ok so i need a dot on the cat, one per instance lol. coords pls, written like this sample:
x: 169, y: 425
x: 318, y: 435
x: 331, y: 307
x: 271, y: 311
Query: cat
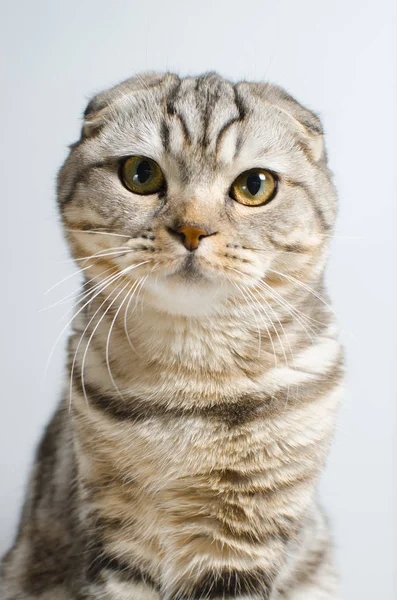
x: 204, y: 365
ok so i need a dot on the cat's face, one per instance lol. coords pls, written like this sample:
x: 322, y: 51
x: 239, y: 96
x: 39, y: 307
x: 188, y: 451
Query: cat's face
x: 161, y: 170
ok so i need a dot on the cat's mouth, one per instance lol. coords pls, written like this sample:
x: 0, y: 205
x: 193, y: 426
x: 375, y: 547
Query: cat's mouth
x: 190, y: 268
x: 188, y: 289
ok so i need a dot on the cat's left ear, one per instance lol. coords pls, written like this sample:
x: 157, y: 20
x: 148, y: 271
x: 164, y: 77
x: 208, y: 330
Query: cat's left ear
x: 305, y: 120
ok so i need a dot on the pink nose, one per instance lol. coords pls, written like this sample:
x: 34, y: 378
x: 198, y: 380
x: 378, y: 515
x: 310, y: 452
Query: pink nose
x: 191, y: 235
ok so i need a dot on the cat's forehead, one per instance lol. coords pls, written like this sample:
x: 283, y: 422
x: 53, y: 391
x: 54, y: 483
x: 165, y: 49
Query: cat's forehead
x: 200, y: 123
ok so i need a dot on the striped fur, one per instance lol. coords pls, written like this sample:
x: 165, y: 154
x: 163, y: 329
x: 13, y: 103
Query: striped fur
x: 201, y: 390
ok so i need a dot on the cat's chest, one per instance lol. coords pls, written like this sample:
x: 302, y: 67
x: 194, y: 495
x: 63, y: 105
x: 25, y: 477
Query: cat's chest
x: 180, y: 363
x: 184, y: 449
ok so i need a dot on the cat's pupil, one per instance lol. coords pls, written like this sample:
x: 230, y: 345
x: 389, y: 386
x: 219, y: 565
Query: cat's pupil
x: 143, y: 171
x: 254, y: 183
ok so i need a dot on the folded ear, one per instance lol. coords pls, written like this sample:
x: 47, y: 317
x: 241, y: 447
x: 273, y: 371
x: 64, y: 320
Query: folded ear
x: 99, y: 107
x: 93, y: 121
x: 305, y: 120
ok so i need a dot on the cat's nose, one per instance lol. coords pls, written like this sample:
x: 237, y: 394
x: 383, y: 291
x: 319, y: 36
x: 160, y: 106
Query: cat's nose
x: 191, y: 235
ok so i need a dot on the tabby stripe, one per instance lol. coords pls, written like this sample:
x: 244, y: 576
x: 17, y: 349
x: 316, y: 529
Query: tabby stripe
x: 201, y: 81
x: 229, y: 584
x: 172, y: 112
x: 242, y: 112
x: 279, y: 533
x: 171, y: 98
x: 186, y: 133
x: 306, y: 189
x: 312, y: 565
x: 295, y: 248
x: 165, y: 132
x: 82, y: 177
x: 165, y: 135
x: 250, y: 482
x: 222, y: 132
x: 140, y: 410
x: 232, y: 413
x: 125, y: 571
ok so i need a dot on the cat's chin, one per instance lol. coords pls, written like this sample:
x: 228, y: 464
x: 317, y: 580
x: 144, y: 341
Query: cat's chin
x: 180, y: 295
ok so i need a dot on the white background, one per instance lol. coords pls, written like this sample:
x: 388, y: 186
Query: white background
x: 338, y: 57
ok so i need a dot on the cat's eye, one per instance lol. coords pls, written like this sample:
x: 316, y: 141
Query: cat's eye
x: 142, y: 175
x: 254, y: 187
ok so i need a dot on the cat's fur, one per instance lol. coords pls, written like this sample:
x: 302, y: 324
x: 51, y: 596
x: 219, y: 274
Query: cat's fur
x: 184, y: 458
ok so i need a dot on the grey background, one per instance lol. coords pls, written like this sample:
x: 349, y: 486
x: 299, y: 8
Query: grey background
x: 339, y: 57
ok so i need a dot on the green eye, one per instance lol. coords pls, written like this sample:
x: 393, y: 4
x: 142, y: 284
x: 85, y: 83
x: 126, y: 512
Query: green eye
x: 142, y: 175
x: 254, y: 187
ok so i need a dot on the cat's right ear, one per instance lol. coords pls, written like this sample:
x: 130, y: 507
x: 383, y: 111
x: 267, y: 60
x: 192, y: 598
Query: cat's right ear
x: 98, y: 109
x: 94, y: 116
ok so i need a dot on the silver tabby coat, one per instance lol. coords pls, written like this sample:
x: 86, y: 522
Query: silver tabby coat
x: 204, y: 368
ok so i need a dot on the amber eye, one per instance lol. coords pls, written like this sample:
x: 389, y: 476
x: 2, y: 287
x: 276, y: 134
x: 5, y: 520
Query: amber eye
x: 142, y: 175
x: 254, y: 187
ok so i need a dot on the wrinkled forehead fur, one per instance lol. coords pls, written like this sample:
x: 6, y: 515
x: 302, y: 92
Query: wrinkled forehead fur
x: 203, y: 132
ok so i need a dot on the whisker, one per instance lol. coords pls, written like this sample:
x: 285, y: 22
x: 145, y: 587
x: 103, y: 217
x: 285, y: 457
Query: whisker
x: 132, y: 267
x: 260, y: 307
x: 96, y: 255
x: 113, y: 252
x: 290, y: 309
x: 304, y: 286
x: 275, y: 329
x: 130, y: 294
x: 88, y: 345
x: 137, y: 289
x: 272, y: 252
x: 242, y: 291
x: 267, y: 316
x: 80, y: 295
x: 280, y: 298
x: 314, y: 293
x: 99, y: 232
x: 81, y: 339
x: 65, y: 279
x: 343, y: 237
x: 300, y: 317
x: 114, y: 277
x: 109, y: 336
x: 247, y: 289
x: 89, y: 342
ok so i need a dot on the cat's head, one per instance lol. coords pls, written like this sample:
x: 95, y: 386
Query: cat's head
x: 196, y: 187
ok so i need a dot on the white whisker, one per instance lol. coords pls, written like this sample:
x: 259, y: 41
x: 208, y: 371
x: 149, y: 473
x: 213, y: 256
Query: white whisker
x: 99, y: 255
x: 282, y: 329
x: 81, y: 339
x: 114, y: 277
x: 134, y: 290
x: 80, y: 295
x: 99, y: 232
x: 267, y: 316
x: 304, y: 286
x: 260, y: 307
x: 109, y: 335
x: 300, y: 317
x: 65, y: 279
x: 242, y: 291
x: 120, y: 274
